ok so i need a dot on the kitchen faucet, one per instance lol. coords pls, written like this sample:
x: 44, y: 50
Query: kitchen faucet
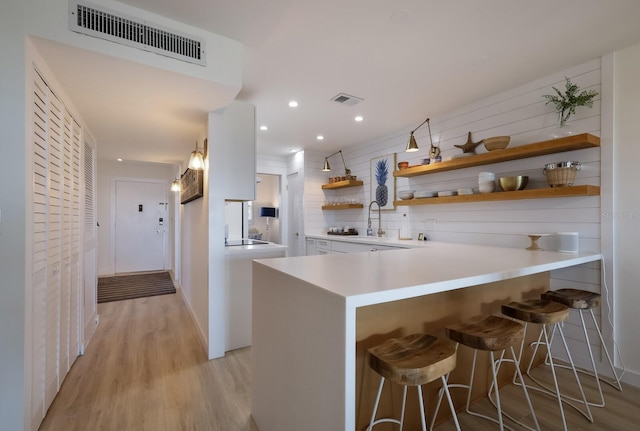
x: 369, y: 229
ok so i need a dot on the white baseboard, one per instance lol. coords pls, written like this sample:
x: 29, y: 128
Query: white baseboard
x: 201, y: 335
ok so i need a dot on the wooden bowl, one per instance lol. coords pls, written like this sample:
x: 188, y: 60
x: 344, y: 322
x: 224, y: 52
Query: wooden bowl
x: 403, y: 165
x: 496, y: 142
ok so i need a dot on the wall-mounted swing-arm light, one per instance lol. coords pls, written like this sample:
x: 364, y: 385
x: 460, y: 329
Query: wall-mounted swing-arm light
x: 327, y: 168
x: 412, y: 145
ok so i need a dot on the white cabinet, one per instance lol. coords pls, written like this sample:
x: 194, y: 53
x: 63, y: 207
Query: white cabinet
x: 325, y: 246
x: 353, y: 247
x: 311, y: 247
x: 234, y: 138
x: 238, y: 283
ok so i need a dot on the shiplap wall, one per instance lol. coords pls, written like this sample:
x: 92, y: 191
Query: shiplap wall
x: 520, y: 113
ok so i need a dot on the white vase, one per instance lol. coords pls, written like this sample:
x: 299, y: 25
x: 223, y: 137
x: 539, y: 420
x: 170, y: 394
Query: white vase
x: 562, y: 131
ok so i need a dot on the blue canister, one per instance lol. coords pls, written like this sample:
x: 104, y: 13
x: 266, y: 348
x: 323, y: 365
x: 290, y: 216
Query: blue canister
x: 426, y: 161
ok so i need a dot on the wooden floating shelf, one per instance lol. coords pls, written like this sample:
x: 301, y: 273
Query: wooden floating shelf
x: 569, y: 143
x: 342, y: 184
x: 342, y: 207
x: 556, y: 192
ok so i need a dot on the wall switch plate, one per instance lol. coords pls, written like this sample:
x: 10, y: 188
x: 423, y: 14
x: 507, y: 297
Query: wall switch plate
x: 431, y: 224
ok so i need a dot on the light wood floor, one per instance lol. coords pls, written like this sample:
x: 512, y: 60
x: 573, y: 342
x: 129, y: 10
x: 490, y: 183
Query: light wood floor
x: 145, y: 370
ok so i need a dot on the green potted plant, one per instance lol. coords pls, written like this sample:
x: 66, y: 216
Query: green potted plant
x: 567, y: 102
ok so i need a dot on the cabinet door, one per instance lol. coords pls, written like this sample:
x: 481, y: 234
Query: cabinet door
x: 239, y: 147
x: 311, y: 247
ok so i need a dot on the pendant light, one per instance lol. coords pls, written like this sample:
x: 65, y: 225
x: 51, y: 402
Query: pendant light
x: 175, y: 185
x: 196, y: 161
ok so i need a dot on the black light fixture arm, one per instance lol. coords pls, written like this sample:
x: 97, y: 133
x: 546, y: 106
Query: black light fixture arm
x: 327, y: 167
x: 421, y: 124
x: 412, y: 144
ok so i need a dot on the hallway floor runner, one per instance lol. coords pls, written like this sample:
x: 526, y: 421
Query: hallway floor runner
x: 123, y: 287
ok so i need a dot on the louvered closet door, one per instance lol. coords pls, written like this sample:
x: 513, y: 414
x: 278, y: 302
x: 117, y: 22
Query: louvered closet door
x: 55, y: 254
x: 39, y: 246
x: 76, y: 286
x: 65, y: 274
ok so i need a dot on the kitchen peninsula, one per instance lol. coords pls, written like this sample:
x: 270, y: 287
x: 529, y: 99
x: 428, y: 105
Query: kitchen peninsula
x: 315, y: 316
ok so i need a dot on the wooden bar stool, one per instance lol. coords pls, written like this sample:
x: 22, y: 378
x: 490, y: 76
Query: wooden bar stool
x: 550, y: 315
x: 413, y: 360
x: 492, y: 334
x: 585, y: 301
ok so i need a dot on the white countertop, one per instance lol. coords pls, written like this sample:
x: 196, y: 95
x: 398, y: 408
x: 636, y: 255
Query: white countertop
x: 375, y: 277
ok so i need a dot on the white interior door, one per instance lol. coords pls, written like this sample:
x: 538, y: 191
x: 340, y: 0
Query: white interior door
x: 140, y: 229
x: 296, y: 227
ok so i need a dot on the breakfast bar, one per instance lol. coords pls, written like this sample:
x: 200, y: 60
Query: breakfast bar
x: 315, y: 316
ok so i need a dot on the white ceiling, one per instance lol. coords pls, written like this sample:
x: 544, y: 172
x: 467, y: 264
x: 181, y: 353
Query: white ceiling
x: 408, y: 59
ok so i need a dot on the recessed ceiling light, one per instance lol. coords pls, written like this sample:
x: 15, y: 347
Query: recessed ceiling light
x: 319, y: 137
x: 119, y: 159
x: 294, y: 150
x: 264, y: 128
x: 293, y: 104
x: 359, y: 118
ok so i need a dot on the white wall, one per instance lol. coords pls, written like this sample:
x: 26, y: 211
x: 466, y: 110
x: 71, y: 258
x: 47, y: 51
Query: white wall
x: 626, y: 210
x: 108, y: 172
x: 13, y: 397
x: 194, y: 260
x: 521, y: 113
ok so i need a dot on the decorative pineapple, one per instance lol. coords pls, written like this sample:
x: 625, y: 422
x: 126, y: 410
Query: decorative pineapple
x: 382, y: 171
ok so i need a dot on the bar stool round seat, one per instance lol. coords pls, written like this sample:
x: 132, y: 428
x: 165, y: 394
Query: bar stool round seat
x: 414, y: 360
x: 573, y: 298
x: 537, y: 311
x: 585, y: 302
x: 492, y: 334
x: 483, y: 332
x: 550, y: 315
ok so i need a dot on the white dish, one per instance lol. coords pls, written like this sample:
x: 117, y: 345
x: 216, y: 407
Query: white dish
x: 468, y: 191
x: 447, y: 193
x: 420, y: 195
x: 406, y: 194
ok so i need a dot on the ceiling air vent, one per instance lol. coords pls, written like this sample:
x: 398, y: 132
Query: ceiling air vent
x: 103, y: 23
x: 345, y: 99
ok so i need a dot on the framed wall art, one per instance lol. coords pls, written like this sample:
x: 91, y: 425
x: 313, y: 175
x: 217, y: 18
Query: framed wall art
x: 191, y: 185
x: 383, y: 183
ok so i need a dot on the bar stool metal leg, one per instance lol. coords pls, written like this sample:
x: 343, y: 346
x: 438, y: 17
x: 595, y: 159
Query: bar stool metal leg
x: 550, y: 315
x: 583, y: 301
x: 492, y: 334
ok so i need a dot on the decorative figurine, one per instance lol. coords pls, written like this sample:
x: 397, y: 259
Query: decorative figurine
x: 469, y: 146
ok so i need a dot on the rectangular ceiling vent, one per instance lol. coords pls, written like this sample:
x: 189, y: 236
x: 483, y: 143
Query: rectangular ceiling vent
x: 345, y: 99
x: 103, y: 23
